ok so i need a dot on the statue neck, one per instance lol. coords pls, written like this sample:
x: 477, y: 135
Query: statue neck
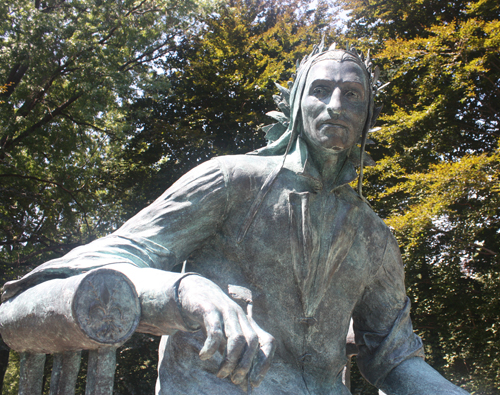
x: 329, y: 163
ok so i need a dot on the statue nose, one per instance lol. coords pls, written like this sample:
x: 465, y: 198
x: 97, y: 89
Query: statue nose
x: 334, y: 107
x: 334, y: 113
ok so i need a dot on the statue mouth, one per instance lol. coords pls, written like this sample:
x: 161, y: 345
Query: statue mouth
x: 334, y: 124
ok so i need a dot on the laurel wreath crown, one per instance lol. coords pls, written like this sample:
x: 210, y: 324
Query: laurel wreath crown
x: 275, y: 130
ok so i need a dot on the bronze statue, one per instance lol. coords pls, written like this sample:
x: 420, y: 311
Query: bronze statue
x: 286, y: 253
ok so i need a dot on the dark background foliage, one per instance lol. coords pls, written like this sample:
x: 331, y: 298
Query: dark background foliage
x: 104, y: 104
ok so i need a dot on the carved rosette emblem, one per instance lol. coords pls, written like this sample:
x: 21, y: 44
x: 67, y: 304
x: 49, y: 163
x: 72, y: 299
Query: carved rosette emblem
x: 106, y: 306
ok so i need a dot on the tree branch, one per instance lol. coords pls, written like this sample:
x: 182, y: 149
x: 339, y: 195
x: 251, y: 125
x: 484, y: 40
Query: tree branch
x: 82, y: 123
x: 53, y: 183
x: 29, y: 104
x: 48, y: 117
x: 138, y: 59
x: 17, y: 72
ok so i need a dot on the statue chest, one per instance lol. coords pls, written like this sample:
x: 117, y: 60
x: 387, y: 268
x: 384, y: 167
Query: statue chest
x: 302, y: 260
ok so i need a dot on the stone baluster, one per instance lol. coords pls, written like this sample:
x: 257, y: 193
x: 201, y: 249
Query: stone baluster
x: 65, y: 368
x: 31, y: 373
x: 96, y: 311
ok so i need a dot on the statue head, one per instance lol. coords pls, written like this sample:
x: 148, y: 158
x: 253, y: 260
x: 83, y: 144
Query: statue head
x: 310, y: 108
x: 335, y: 102
x: 293, y: 120
x: 290, y: 118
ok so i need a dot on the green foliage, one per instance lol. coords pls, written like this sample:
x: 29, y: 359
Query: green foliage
x: 67, y: 71
x: 136, y: 368
x: 437, y: 178
x: 11, y: 379
x: 222, y: 83
x: 106, y: 103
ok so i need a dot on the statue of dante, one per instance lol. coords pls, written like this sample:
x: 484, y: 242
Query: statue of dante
x: 285, y: 252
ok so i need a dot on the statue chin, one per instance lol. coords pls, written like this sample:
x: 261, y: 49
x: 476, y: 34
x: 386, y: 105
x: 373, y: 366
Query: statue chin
x: 331, y: 139
x: 328, y: 148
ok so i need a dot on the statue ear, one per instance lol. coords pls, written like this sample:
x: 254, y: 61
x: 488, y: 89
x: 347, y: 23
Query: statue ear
x: 376, y: 113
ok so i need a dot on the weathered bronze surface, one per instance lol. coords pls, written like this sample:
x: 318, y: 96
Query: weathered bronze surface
x: 287, y: 253
x: 85, y: 311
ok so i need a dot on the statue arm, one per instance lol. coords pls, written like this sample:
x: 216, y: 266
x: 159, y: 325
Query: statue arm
x: 414, y: 376
x: 187, y: 214
x: 189, y: 302
x: 177, y: 223
x: 390, y: 355
x: 160, y: 236
x: 153, y: 242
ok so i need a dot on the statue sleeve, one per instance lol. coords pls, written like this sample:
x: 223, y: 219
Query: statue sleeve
x: 382, y: 324
x: 160, y: 236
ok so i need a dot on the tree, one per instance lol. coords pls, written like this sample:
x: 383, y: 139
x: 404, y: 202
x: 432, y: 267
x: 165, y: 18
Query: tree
x: 222, y: 80
x: 437, y: 178
x: 124, y: 101
x: 68, y: 70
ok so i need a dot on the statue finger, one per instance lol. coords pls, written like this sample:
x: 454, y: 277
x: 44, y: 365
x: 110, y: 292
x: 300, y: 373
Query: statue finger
x: 251, y: 347
x: 235, y: 345
x: 264, y: 355
x: 261, y: 364
x: 222, y: 346
x: 214, y: 331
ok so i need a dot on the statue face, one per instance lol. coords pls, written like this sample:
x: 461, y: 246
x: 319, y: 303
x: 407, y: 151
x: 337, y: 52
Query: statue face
x: 334, y: 105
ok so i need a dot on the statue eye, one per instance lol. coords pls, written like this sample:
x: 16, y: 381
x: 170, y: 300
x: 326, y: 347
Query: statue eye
x: 320, y: 92
x: 352, y: 95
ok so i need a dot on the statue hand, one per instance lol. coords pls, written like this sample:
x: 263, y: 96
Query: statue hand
x: 227, y: 328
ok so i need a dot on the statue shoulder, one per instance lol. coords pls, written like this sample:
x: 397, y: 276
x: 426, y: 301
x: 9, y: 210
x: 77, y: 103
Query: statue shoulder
x: 241, y: 168
x: 371, y: 220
